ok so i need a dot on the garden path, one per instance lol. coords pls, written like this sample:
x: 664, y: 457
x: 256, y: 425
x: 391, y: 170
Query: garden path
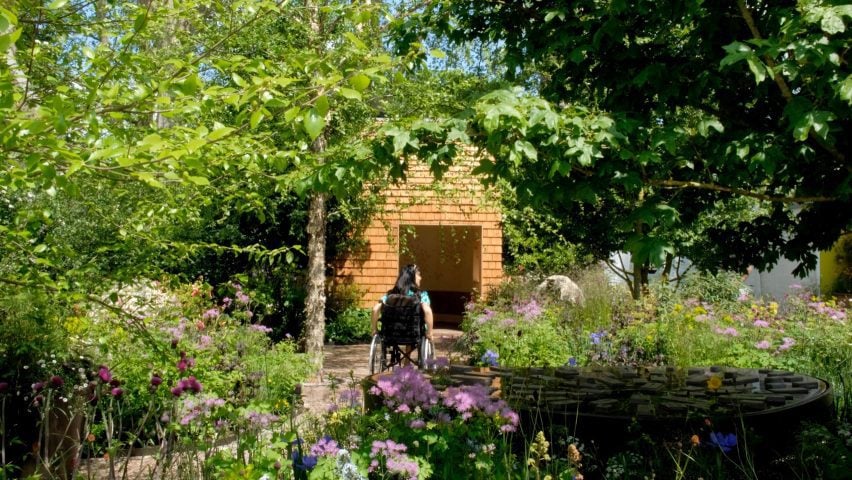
x: 343, y: 362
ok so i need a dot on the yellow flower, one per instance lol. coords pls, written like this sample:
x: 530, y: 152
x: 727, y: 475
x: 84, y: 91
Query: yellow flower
x: 678, y: 307
x: 695, y: 440
x: 714, y: 382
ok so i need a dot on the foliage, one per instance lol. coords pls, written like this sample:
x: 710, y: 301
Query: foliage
x: 350, y: 326
x: 843, y: 284
x: 169, y: 367
x: 652, y: 116
x: 713, y: 321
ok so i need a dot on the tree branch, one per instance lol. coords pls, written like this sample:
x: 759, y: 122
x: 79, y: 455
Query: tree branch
x: 737, y: 191
x: 782, y: 84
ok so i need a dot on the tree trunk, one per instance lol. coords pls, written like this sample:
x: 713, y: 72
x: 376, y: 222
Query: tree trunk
x: 637, y: 281
x: 667, y: 270
x: 315, y: 299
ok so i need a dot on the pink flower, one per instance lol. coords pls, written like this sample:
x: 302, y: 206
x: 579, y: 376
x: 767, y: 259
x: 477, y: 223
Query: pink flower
x: 104, y: 374
x: 761, y: 323
x: 763, y: 345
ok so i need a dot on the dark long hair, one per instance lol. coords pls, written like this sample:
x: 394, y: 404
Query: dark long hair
x: 406, y: 281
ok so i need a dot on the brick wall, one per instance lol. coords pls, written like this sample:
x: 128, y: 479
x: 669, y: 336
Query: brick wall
x: 459, y: 199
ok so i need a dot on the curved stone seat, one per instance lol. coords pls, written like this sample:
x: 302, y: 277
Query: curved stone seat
x: 588, y: 400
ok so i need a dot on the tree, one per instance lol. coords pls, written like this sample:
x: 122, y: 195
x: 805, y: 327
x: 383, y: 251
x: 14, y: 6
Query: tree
x: 666, y: 108
x: 88, y: 106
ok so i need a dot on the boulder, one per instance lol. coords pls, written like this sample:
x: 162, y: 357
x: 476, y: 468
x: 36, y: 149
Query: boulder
x: 563, y: 287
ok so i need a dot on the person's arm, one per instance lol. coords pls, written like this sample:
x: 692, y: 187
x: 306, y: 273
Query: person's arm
x: 427, y: 317
x: 374, y: 318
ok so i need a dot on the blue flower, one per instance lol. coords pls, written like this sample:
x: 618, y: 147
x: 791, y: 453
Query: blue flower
x: 572, y: 362
x: 596, y: 337
x: 303, y: 462
x: 490, y: 358
x: 724, y: 441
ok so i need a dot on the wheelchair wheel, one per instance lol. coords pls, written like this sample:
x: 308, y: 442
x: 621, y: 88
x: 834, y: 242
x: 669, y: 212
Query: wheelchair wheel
x: 427, y: 353
x: 377, y: 356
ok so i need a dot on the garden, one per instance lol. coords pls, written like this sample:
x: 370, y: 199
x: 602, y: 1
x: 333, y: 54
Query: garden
x: 182, y: 180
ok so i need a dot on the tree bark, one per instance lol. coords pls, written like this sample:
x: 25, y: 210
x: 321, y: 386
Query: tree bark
x: 315, y: 300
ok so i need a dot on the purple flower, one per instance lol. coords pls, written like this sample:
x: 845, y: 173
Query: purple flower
x: 596, y: 337
x: 211, y: 314
x: 176, y: 390
x: 788, y: 343
x: 417, y: 424
x: 762, y: 345
x: 226, y: 302
x: 529, y: 310
x: 242, y: 298
x: 116, y: 392
x: 38, y: 386
x: 438, y: 363
x: 4, y: 386
x: 761, y: 324
x: 351, y: 397
x: 261, y: 420
x: 104, y: 374
x: 56, y: 381
x: 728, y: 331
x: 488, y: 315
x: 406, y: 385
x: 260, y: 328
x: 572, y: 362
x: 325, y: 447
x: 724, y: 441
x: 156, y: 380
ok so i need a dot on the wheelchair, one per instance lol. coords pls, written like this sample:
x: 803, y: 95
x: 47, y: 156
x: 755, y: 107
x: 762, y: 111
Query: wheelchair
x: 402, y: 328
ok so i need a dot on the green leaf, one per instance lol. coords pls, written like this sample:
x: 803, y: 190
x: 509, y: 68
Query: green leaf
x: 148, y: 178
x: 9, y: 39
x: 321, y: 105
x: 437, y: 53
x: 56, y: 4
x: 355, y: 40
x: 706, y: 124
x: 845, y: 89
x: 736, y: 51
x: 219, y: 133
x: 239, y: 80
x: 831, y: 22
x: 291, y: 113
x: 359, y: 82
x: 527, y: 149
x: 313, y: 123
x: 256, y: 118
x: 350, y: 93
x: 198, y: 180
x: 758, y: 69
x: 140, y: 21
x: 5, y: 21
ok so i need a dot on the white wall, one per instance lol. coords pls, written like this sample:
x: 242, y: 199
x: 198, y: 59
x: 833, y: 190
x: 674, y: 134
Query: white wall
x: 774, y: 283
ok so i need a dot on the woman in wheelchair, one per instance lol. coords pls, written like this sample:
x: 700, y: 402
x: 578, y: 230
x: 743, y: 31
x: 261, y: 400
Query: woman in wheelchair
x: 409, y: 309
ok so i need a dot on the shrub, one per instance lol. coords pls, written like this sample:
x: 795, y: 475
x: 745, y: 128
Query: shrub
x: 350, y: 326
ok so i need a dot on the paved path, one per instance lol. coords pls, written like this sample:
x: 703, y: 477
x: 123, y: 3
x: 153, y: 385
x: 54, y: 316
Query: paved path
x: 344, y: 363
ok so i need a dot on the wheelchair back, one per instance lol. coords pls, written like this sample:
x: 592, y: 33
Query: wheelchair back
x: 402, y: 319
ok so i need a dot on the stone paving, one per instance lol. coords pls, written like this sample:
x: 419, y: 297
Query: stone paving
x: 346, y: 363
